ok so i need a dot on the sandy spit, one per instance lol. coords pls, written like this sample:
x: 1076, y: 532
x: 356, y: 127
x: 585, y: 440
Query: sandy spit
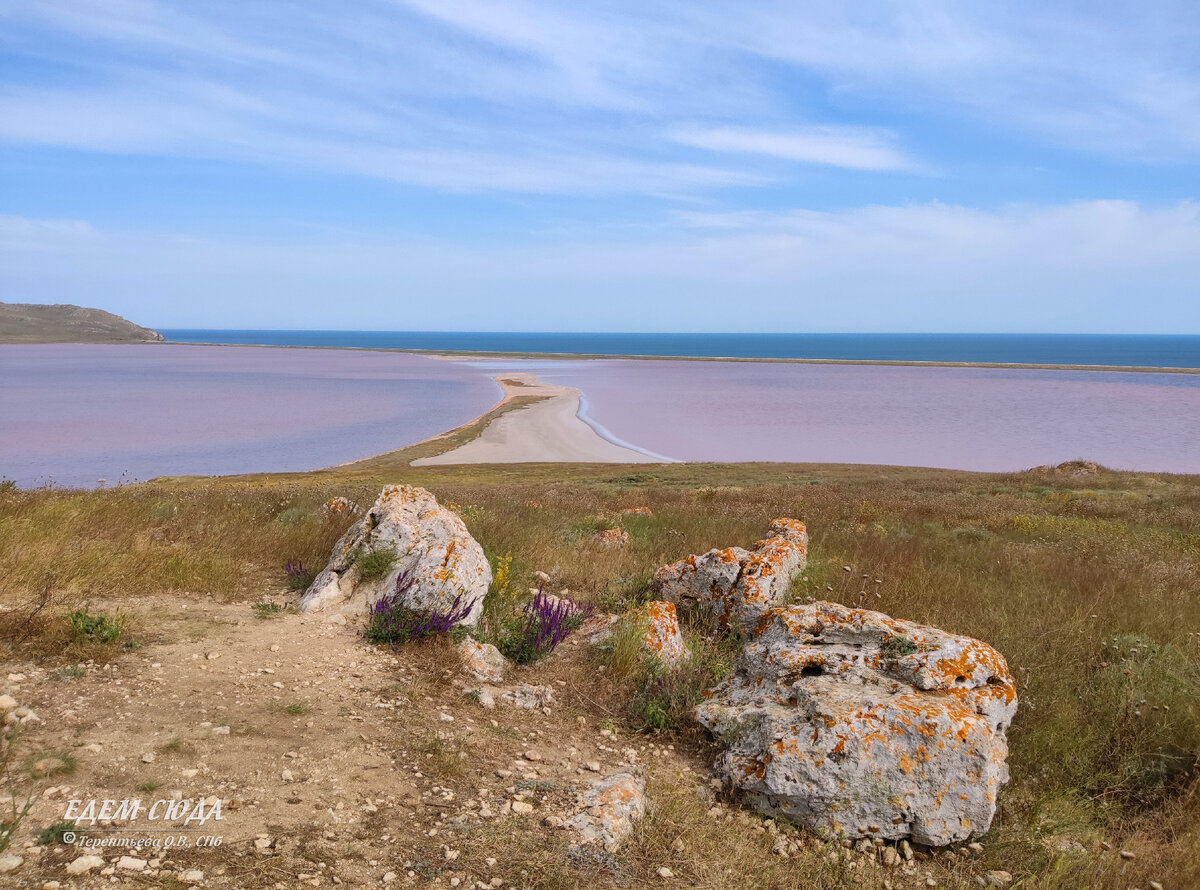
x: 549, y: 431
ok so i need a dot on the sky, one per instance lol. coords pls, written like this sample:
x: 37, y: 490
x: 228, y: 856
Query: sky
x: 605, y: 166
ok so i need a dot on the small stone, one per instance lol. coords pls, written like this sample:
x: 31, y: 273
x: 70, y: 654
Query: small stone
x: 490, y: 862
x: 891, y: 858
x: 533, y: 755
x: 84, y: 864
x: 10, y: 863
x: 7, y: 703
x: 521, y: 807
x: 1128, y: 854
x: 998, y: 878
x: 1155, y: 885
x: 192, y: 876
x: 220, y: 730
x: 148, y: 757
x: 445, y: 718
x: 975, y: 847
x: 51, y: 885
x: 592, y: 766
x: 389, y: 877
x: 131, y: 863
x: 664, y: 872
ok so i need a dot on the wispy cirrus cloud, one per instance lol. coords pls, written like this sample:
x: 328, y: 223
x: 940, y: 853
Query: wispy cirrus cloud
x: 535, y: 84
x: 855, y: 148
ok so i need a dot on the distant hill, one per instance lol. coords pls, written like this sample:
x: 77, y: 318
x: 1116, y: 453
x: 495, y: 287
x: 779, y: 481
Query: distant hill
x: 63, y: 323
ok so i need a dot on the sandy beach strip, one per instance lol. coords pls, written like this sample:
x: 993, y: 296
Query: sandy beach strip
x: 548, y: 431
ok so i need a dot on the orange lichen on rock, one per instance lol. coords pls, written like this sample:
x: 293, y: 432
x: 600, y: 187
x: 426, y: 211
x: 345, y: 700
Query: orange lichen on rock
x: 612, y: 537
x: 340, y: 506
x: 610, y: 807
x: 637, y: 511
x: 435, y: 554
x: 662, y: 639
x: 850, y: 704
x: 737, y: 586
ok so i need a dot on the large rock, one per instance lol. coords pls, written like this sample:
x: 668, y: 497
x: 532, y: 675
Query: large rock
x: 610, y: 807
x: 859, y: 725
x: 435, y: 553
x: 737, y: 586
x: 661, y: 639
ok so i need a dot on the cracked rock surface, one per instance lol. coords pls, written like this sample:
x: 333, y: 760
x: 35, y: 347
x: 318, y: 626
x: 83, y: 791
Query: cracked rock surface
x: 860, y: 725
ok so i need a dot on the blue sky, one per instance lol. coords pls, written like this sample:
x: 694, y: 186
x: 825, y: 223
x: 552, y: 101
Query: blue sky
x: 680, y: 166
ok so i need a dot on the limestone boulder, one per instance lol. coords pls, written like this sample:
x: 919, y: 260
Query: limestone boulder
x: 858, y: 725
x: 483, y: 661
x: 609, y: 809
x: 661, y: 638
x: 735, y: 586
x: 615, y: 538
x: 434, y: 555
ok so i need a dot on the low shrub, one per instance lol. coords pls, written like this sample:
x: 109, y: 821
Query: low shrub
x: 101, y: 628
x: 53, y: 834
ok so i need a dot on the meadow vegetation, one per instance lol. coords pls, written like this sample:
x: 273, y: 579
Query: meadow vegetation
x: 1088, y: 581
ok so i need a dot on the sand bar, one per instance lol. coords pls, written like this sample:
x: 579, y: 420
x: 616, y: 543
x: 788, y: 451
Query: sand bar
x: 548, y: 431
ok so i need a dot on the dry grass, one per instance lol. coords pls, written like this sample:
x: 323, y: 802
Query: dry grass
x: 1087, y: 583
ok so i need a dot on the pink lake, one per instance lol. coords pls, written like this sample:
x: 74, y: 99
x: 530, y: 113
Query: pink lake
x: 961, y: 418
x: 71, y: 414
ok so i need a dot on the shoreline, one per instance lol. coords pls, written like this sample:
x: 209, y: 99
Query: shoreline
x: 551, y: 427
x: 469, y: 355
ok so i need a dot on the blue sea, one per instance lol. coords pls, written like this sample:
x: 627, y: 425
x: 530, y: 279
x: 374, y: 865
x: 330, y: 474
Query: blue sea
x: 1154, y: 351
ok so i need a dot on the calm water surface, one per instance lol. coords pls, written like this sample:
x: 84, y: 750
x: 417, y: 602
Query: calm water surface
x: 71, y: 414
x: 962, y: 418
x: 1138, y: 350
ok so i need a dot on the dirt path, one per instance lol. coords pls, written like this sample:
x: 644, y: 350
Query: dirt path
x: 334, y: 762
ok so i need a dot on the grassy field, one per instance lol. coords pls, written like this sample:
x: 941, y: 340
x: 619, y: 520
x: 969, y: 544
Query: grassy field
x: 1088, y: 581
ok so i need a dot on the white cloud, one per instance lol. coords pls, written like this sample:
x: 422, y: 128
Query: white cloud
x: 856, y: 148
x: 1097, y: 266
x: 527, y: 87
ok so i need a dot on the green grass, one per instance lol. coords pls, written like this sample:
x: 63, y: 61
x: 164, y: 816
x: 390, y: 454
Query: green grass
x: 1087, y: 585
x: 373, y: 565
